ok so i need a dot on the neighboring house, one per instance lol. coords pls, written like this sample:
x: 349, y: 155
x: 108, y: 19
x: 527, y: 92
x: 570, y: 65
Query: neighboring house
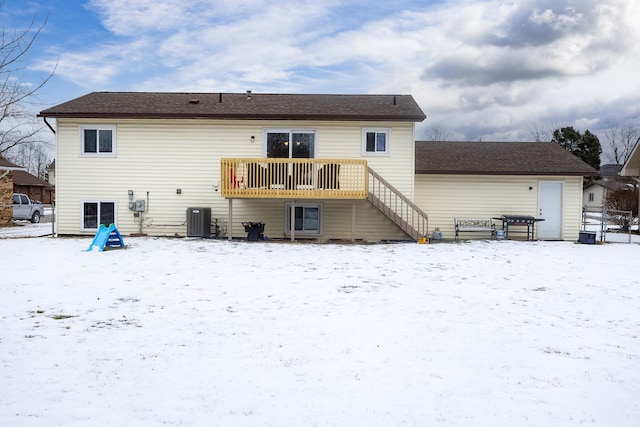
x: 490, y: 179
x: 24, y: 182
x: 631, y: 168
x: 596, y: 190
x: 7, y: 169
x: 51, y: 173
x: 342, y: 166
x: 34, y: 187
x: 632, y: 165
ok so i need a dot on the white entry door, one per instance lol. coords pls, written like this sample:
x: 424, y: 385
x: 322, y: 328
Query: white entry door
x: 550, y: 208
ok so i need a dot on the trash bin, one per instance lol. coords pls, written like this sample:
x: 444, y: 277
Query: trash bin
x: 255, y: 231
x: 587, y: 238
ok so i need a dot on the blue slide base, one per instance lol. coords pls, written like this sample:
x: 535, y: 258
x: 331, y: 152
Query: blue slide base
x: 108, y: 237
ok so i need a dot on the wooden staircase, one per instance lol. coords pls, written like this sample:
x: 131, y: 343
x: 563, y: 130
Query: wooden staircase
x: 397, y: 207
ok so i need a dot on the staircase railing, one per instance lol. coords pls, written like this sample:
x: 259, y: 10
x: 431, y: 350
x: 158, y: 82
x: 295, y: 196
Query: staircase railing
x: 397, y: 207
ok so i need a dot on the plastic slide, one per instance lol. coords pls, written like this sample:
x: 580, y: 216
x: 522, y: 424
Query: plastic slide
x: 107, y: 237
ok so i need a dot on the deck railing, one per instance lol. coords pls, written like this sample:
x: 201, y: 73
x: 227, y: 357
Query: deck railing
x: 402, y: 211
x: 266, y: 178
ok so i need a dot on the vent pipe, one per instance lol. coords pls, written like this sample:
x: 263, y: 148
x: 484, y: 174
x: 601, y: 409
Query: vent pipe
x: 248, y: 95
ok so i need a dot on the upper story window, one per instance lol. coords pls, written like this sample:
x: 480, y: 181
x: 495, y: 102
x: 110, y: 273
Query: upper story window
x: 375, y: 141
x: 290, y: 143
x: 592, y: 197
x: 98, y: 140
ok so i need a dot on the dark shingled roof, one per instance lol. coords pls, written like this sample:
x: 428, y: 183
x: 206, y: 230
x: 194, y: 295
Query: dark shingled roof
x: 610, y: 170
x: 22, y: 177
x: 239, y: 106
x: 7, y: 165
x: 27, y: 179
x: 498, y: 158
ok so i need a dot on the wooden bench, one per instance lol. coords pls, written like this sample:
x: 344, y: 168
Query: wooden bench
x: 473, y: 225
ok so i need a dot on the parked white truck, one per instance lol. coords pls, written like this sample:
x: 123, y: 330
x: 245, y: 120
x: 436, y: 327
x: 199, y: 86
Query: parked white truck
x: 26, y: 209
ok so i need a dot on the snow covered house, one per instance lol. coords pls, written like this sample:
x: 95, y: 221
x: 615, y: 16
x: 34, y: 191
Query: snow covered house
x: 325, y: 167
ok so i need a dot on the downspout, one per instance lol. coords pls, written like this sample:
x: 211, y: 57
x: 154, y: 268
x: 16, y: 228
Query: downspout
x: 53, y: 203
x: 49, y: 125
x: 637, y: 180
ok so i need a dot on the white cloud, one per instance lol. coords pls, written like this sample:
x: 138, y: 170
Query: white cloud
x: 480, y: 67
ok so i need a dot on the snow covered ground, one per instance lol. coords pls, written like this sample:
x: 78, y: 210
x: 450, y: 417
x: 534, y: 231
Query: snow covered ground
x: 214, y: 333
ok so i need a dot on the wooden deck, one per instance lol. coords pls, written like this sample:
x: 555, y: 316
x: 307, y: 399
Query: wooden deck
x: 264, y: 178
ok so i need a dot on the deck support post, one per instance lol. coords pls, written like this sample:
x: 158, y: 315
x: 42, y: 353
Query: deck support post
x: 230, y: 224
x: 292, y: 220
x: 353, y: 221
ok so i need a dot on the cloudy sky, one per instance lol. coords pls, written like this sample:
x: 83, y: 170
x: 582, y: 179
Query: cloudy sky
x: 487, y: 70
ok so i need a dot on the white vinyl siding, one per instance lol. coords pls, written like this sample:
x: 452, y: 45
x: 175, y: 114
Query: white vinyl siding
x: 371, y: 225
x: 157, y: 157
x: 594, y: 196
x: 445, y: 197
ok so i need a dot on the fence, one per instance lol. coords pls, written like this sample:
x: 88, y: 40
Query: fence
x: 603, y: 221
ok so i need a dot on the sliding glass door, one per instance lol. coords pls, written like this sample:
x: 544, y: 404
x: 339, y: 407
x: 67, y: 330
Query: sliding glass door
x: 290, y: 144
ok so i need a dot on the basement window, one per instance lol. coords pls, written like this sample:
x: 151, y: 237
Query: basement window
x: 307, y: 219
x: 98, y: 140
x: 95, y: 213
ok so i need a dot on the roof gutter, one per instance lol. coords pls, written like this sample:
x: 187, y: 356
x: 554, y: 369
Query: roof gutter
x: 8, y: 169
x: 237, y: 116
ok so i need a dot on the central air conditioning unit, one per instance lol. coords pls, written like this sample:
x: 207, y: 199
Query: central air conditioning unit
x: 198, y: 222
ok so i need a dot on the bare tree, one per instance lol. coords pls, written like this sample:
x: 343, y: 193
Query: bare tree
x: 33, y: 157
x: 542, y: 132
x: 621, y: 142
x: 18, y: 126
x: 438, y: 132
x: 625, y: 199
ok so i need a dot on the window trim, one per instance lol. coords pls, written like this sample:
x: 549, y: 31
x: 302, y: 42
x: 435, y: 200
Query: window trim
x: 386, y: 131
x: 83, y: 202
x: 287, y: 221
x: 98, y: 128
